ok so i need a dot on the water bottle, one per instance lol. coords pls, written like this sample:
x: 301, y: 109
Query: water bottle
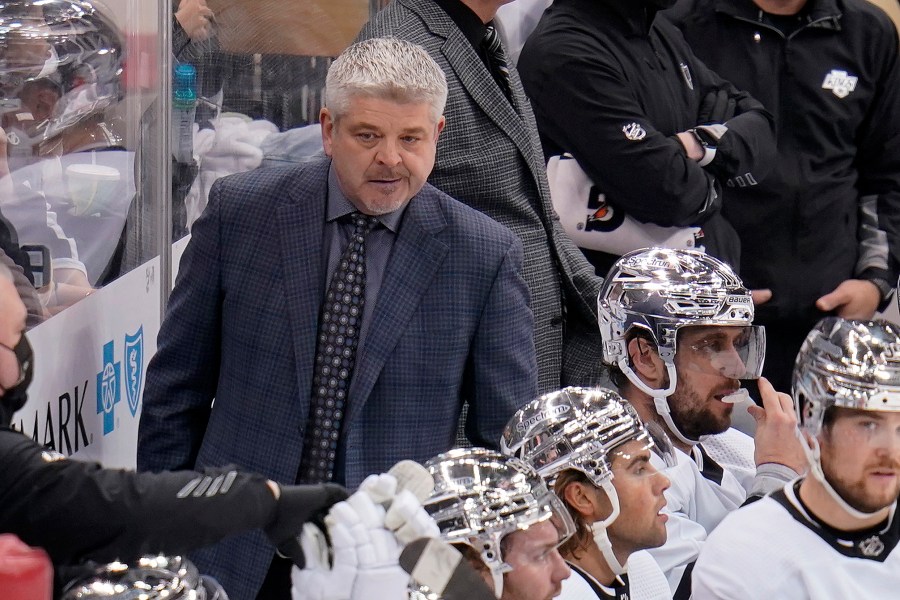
x: 184, y: 108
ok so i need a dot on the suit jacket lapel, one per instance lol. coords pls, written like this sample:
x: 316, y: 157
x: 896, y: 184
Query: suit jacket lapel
x: 517, y: 123
x: 414, y: 261
x: 300, y: 224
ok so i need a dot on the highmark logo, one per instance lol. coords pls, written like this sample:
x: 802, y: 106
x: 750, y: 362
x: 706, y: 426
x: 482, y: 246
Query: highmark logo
x: 134, y: 368
x: 108, y: 388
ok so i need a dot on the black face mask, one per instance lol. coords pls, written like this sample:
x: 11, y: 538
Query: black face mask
x: 14, y: 398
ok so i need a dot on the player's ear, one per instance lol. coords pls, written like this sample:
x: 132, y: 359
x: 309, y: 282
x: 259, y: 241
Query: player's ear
x: 580, y: 497
x: 646, y: 363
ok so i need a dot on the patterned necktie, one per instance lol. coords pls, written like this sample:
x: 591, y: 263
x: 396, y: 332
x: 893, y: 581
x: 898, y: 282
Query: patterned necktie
x: 497, y: 59
x: 336, y: 345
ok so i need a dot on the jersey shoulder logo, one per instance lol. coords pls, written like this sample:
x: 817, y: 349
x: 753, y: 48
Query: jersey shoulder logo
x: 634, y: 132
x: 840, y: 83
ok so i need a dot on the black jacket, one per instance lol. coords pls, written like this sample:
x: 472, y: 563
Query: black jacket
x: 834, y: 86
x: 594, y: 67
x: 78, y: 511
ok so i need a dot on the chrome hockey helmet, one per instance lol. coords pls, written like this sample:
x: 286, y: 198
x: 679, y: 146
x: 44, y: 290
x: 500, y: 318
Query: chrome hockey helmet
x: 847, y: 364
x: 149, y: 578
x: 580, y: 428
x: 481, y: 496
x: 659, y: 291
x: 573, y: 428
x: 61, y: 61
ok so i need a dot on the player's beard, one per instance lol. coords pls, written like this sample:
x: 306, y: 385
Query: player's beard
x: 854, y: 492
x: 693, y: 417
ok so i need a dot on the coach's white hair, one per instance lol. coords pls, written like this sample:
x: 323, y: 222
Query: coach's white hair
x: 386, y: 68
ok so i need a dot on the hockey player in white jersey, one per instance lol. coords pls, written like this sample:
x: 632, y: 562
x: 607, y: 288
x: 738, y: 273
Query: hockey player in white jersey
x: 592, y: 447
x: 677, y: 329
x: 834, y: 533
x: 500, y: 514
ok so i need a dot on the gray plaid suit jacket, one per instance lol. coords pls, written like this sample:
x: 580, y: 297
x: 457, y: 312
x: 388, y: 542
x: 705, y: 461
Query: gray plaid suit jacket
x: 451, y: 322
x: 489, y: 156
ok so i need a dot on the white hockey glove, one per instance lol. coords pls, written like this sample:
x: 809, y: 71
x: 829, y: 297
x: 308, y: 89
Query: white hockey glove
x: 402, y: 491
x: 366, y: 540
x: 408, y: 520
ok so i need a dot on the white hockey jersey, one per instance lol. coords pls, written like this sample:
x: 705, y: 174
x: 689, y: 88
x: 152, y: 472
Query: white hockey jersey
x: 774, y: 548
x: 705, y: 487
x: 643, y: 581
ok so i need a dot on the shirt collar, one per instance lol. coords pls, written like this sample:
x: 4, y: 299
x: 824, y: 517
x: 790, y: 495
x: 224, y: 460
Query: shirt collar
x: 340, y: 206
x: 465, y: 19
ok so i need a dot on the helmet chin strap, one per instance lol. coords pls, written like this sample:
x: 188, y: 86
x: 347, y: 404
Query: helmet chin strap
x: 601, y: 537
x: 660, y: 397
x: 662, y: 409
x: 498, y: 582
x: 813, y: 454
x: 497, y: 568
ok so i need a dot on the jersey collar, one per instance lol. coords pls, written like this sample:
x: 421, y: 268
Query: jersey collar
x: 875, y: 543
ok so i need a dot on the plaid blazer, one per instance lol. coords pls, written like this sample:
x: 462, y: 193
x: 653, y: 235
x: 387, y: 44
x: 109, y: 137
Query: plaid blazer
x: 489, y: 157
x: 451, y: 322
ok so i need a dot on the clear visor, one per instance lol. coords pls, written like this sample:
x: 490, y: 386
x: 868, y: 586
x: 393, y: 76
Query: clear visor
x: 868, y: 428
x: 560, y: 518
x: 549, y: 509
x: 549, y: 452
x: 736, y: 352
x: 632, y: 460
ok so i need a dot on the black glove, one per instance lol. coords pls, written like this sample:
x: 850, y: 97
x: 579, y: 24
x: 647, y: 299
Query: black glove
x: 717, y: 107
x: 297, y: 505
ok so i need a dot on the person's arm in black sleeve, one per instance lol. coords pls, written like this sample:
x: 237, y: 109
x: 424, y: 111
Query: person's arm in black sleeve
x: 76, y: 510
x: 873, y: 263
x: 582, y: 101
x: 878, y: 155
x: 747, y: 147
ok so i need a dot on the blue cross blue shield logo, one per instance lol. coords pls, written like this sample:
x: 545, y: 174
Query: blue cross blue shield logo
x: 134, y: 368
x: 108, y: 394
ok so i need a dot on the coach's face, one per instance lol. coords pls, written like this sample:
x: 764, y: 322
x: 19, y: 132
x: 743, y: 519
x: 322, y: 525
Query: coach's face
x: 381, y: 150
